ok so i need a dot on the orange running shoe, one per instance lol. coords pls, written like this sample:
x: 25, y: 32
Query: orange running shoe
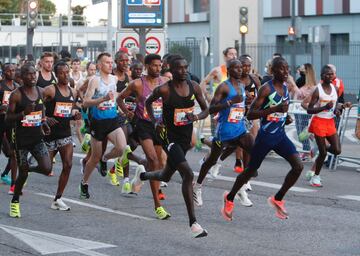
x: 238, y: 169
x: 227, y: 208
x: 161, y: 195
x: 279, y: 207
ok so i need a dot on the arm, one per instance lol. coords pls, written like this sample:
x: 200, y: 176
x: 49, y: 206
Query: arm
x: 314, y: 98
x: 88, y: 101
x: 132, y: 87
x: 215, y: 106
x: 255, y: 111
x: 49, y: 93
x: 11, y: 116
x: 201, y: 100
x: 206, y: 81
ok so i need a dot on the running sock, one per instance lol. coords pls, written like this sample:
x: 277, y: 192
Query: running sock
x: 238, y: 162
x: 57, y: 197
x: 279, y: 196
x: 12, y: 182
x: 142, y: 176
x: 15, y: 199
x: 126, y: 179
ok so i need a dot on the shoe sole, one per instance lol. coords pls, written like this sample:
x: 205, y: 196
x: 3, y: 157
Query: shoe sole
x: 59, y: 209
x: 316, y: 185
x: 165, y: 218
x: 203, y: 234
x: 225, y: 216
x: 278, y: 213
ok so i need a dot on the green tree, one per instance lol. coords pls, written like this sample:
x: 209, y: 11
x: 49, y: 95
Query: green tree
x: 78, y: 15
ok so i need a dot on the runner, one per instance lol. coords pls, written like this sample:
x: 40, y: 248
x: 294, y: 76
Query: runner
x: 271, y: 105
x: 45, y: 76
x: 26, y: 110
x: 229, y: 102
x: 60, y: 101
x: 144, y: 129
x: 7, y: 85
x: 178, y: 98
x: 104, y: 119
x: 322, y: 124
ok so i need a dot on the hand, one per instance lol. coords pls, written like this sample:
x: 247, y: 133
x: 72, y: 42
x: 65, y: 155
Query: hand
x: 29, y: 108
x: 51, y: 121
x: 249, y: 98
x: 130, y: 115
x: 109, y: 96
x: 45, y: 128
x: 347, y: 105
x: 329, y: 105
x: 237, y: 99
x: 191, y: 117
x: 283, y: 107
x: 337, y: 112
x: 77, y: 115
x: 288, y: 120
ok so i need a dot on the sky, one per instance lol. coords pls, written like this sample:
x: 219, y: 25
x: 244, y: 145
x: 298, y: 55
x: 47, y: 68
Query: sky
x: 93, y: 12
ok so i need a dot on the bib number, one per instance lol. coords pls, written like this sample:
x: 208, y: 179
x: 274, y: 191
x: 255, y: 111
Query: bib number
x: 236, y: 115
x: 107, y: 105
x: 32, y: 120
x: 63, y: 109
x: 180, y: 118
x: 157, y: 109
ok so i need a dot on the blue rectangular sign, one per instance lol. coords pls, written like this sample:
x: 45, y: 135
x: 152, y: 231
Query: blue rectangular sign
x: 143, y: 13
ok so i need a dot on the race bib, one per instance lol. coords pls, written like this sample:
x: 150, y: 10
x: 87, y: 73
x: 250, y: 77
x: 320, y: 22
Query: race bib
x: 157, y: 109
x: 180, y: 118
x: 324, y: 102
x: 5, y: 99
x: 107, y: 105
x: 63, y: 109
x: 32, y: 120
x: 236, y: 114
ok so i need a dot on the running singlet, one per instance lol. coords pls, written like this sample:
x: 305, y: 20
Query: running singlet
x: 5, y: 92
x: 251, y: 88
x: 326, y: 98
x: 179, y: 128
x: 231, y: 120
x: 223, y: 72
x: 274, y: 122
x: 106, y: 109
x: 28, y: 131
x: 41, y: 82
x: 60, y: 108
x: 157, y: 105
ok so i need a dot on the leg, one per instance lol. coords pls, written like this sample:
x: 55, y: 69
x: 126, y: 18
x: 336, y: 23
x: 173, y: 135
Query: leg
x: 210, y: 161
x: 66, y: 153
x: 321, y: 143
x: 335, y: 147
x: 96, y: 153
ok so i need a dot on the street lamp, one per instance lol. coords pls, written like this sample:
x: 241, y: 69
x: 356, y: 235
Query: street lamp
x: 32, y: 14
x: 243, y: 29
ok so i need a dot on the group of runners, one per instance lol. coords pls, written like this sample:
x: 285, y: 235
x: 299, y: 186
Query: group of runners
x: 151, y: 104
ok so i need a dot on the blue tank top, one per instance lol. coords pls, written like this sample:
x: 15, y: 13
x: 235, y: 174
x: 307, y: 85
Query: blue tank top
x: 107, y: 109
x: 274, y: 122
x: 231, y: 122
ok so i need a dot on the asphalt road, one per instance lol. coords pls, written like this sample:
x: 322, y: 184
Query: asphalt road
x: 323, y: 221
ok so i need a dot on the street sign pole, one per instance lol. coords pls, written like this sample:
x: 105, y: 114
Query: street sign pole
x: 142, y: 32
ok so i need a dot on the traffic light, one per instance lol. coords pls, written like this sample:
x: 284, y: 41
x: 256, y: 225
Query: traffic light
x: 243, y: 20
x: 33, y: 6
x: 291, y: 33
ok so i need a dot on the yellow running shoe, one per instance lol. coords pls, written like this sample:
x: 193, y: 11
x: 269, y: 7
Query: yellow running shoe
x: 161, y: 213
x: 124, y: 160
x: 85, y: 145
x: 118, y: 168
x: 15, y: 210
x: 113, y: 179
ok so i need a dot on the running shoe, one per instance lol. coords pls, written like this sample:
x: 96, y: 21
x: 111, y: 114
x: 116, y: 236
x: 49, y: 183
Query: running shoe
x: 197, y: 195
x: 51, y: 174
x: 163, y: 184
x: 15, y: 210
x: 124, y: 160
x: 309, y: 174
x: 243, y: 198
x: 315, y: 181
x: 279, y: 207
x: 197, y: 231
x: 102, y: 168
x: 59, y: 205
x: 6, y: 179
x: 238, y: 169
x: 136, y: 182
x: 227, y: 208
x: 113, y: 179
x: 118, y: 168
x: 126, y: 188
x: 84, y: 191
x: 85, y: 145
x: 161, y: 213
x: 248, y: 186
x: 304, y: 135
x: 214, y: 171
x: 11, y: 190
x: 161, y: 195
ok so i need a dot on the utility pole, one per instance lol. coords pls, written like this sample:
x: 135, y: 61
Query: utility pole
x: 69, y: 26
x: 292, y: 39
x: 32, y: 13
x: 109, y: 28
x: 60, y: 33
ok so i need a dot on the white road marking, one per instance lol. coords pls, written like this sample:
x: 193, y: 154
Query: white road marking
x: 98, y: 207
x: 49, y: 243
x: 253, y: 182
x: 350, y: 197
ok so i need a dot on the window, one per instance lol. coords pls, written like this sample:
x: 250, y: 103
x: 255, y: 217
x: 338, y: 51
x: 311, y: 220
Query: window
x: 201, y: 6
x: 339, y: 44
x: 301, y: 45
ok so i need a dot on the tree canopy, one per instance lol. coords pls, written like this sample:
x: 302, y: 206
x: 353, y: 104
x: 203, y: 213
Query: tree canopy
x: 19, y: 6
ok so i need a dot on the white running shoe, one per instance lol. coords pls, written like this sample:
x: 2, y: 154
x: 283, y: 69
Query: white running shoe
x: 309, y: 174
x: 59, y: 205
x: 248, y: 186
x: 243, y: 198
x: 136, y: 182
x: 197, y: 195
x: 197, y: 231
x: 215, y: 170
x: 163, y: 184
x: 315, y: 181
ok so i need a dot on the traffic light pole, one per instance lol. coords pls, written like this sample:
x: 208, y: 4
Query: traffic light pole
x: 29, y: 41
x: 243, y: 46
x: 293, y: 47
